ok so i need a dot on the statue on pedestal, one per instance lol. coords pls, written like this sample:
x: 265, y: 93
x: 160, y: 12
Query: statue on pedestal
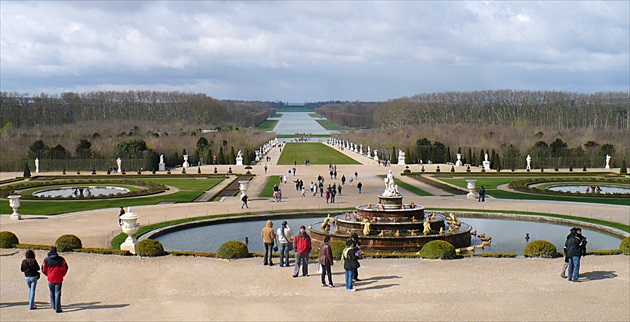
x: 529, y: 162
x: 607, y: 162
x: 36, y: 165
x: 119, y: 164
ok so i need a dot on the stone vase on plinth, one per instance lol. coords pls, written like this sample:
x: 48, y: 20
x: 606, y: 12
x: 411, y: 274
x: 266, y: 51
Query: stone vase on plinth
x: 14, y: 202
x: 242, y: 186
x: 471, y: 185
x: 129, y: 225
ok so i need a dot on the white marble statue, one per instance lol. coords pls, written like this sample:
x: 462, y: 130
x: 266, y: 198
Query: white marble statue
x: 36, y: 165
x: 119, y: 164
x: 162, y: 165
x: 401, y: 154
x: 239, y: 158
x: 486, y: 163
x: 162, y: 158
x: 239, y: 154
x: 529, y: 162
x: 607, y: 162
x: 391, y: 189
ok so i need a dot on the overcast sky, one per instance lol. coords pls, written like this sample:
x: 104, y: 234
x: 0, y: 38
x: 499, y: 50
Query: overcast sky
x: 300, y: 51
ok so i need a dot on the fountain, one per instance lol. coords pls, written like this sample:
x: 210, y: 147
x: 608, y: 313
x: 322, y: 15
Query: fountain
x: 392, y: 225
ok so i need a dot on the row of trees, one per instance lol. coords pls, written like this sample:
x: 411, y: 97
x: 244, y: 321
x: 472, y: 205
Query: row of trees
x: 561, y: 110
x: 21, y: 110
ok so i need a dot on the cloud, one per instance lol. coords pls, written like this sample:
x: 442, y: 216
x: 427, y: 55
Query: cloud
x: 308, y: 51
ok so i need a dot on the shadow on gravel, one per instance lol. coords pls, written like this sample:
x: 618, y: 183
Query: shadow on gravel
x: 375, y: 287
x: 90, y: 306
x: 598, y: 275
x: 10, y: 254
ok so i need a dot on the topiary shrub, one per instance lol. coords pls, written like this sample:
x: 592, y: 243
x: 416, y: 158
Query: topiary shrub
x: 337, y: 247
x: 540, y: 248
x: 8, y: 239
x: 67, y: 243
x: 233, y: 249
x: 625, y: 246
x: 438, y: 249
x: 149, y: 248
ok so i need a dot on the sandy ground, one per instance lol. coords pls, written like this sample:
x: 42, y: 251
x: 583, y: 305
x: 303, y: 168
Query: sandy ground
x: 105, y: 288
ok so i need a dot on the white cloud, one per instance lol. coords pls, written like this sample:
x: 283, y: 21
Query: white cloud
x: 313, y: 50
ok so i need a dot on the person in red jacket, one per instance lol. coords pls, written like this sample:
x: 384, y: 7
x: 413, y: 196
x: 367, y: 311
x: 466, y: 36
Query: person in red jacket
x: 55, y: 268
x: 302, y: 249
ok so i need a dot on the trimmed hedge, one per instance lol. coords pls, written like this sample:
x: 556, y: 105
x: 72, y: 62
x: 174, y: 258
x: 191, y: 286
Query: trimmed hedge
x: 104, y: 251
x: 438, y: 249
x: 8, y: 239
x: 33, y: 246
x: 67, y: 243
x: 233, y: 249
x: 337, y: 247
x: 150, y: 248
x: 625, y: 246
x: 540, y: 248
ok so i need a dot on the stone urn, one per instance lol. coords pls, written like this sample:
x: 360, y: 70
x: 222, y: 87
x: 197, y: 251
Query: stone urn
x: 471, y: 185
x: 14, y: 202
x: 129, y: 225
x: 242, y: 186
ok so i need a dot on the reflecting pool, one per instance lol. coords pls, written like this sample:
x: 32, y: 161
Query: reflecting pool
x: 583, y: 189
x: 75, y: 192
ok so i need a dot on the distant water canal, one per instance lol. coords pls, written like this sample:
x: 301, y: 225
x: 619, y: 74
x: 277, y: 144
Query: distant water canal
x: 298, y: 122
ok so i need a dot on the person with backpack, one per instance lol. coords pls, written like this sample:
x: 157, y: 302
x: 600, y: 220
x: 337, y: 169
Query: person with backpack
x: 350, y: 263
x: 55, y: 268
x: 302, y: 246
x: 326, y: 262
x: 244, y: 199
x: 31, y: 273
x: 285, y: 240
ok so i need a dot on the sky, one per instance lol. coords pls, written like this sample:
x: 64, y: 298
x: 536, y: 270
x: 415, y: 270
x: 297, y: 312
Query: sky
x: 306, y: 51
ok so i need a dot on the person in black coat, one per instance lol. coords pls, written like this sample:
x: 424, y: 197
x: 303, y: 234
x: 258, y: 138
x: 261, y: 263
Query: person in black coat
x: 350, y: 263
x: 574, y: 248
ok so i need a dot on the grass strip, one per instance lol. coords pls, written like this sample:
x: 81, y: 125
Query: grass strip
x: 267, y: 125
x: 332, y: 126
x: 316, y: 152
x: 267, y: 191
x: 408, y: 187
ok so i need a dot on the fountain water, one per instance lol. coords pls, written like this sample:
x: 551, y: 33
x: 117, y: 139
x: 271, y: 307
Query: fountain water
x: 393, y: 225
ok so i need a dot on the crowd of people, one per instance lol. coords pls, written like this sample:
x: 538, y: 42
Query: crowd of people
x: 284, y: 241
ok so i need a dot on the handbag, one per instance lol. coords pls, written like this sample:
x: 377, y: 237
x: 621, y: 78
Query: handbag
x: 275, y: 247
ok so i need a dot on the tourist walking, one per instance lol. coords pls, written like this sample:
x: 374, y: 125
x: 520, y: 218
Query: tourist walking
x: 350, y: 181
x: 359, y: 186
x: 55, y: 268
x: 343, y: 179
x: 574, y: 248
x: 302, y: 249
x: 327, y: 194
x: 122, y: 212
x: 285, y: 240
x: 244, y: 199
x: 265, y: 168
x: 482, y: 194
x: 326, y: 261
x: 350, y: 263
x: 268, y: 236
x: 31, y: 273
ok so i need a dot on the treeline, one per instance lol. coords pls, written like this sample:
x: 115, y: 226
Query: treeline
x: 562, y: 110
x: 352, y: 114
x: 20, y: 110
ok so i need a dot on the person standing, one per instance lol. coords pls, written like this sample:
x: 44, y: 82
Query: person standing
x: 265, y: 168
x: 359, y: 186
x: 349, y: 260
x: 574, y: 248
x: 482, y: 194
x: 244, y: 199
x: 268, y: 236
x: 358, y: 253
x: 343, y: 179
x: 55, y: 268
x: 326, y: 261
x: 327, y: 194
x: 302, y: 249
x: 285, y: 240
x: 31, y: 273
x: 122, y: 212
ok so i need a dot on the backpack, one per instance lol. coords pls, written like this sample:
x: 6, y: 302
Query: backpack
x: 344, y: 254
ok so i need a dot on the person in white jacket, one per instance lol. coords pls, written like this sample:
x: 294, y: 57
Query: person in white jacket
x: 285, y: 241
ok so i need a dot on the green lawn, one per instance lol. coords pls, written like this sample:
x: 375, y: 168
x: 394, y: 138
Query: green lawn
x: 491, y: 183
x: 277, y: 115
x: 267, y: 125
x: 267, y: 191
x: 318, y: 153
x: 315, y: 115
x: 189, y: 189
x: 332, y: 126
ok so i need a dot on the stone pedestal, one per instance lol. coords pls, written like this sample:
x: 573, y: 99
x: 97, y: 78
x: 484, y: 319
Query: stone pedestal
x: 14, y: 202
x: 471, y: 185
x: 401, y: 161
x: 129, y: 226
x: 239, y: 160
x: 162, y: 167
x: 486, y: 165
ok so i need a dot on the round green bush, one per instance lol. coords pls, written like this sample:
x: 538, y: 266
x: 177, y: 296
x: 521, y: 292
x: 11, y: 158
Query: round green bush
x: 150, y: 248
x: 8, y: 239
x: 337, y: 247
x: 625, y: 246
x: 437, y: 249
x: 67, y: 243
x: 233, y: 249
x: 540, y: 248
